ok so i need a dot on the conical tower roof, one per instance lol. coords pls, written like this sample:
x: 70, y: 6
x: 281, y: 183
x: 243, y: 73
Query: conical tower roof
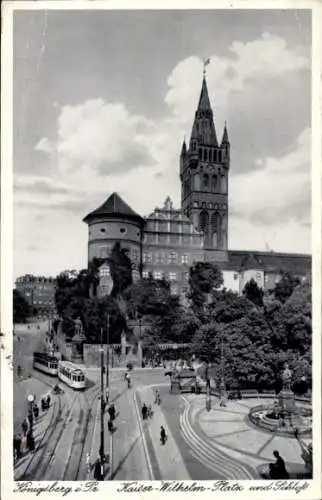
x: 115, y: 207
x: 183, y: 148
x: 225, y: 139
x: 204, y: 102
x: 203, y: 130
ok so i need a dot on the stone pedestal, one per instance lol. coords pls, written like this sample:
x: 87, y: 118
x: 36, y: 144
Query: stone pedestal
x: 286, y: 400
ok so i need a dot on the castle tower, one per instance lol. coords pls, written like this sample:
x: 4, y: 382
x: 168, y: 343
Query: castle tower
x: 114, y: 221
x: 204, y: 168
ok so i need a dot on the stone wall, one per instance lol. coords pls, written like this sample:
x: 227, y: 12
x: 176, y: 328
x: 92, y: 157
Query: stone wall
x: 92, y: 356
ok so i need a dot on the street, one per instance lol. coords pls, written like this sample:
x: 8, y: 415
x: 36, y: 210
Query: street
x: 200, y: 445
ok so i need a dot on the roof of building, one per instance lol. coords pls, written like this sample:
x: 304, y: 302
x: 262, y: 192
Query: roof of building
x: 269, y: 261
x: 114, y: 206
x: 203, y: 129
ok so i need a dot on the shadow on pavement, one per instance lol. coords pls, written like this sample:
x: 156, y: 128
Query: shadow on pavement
x: 119, y: 395
x: 123, y: 460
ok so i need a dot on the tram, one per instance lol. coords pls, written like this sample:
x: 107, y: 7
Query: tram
x: 71, y: 375
x: 45, y: 363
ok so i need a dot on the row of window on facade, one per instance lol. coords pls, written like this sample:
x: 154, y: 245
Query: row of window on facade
x: 205, y: 182
x: 209, y: 154
x: 172, y: 258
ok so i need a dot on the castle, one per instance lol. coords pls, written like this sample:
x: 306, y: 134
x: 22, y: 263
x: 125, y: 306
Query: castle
x: 169, y: 241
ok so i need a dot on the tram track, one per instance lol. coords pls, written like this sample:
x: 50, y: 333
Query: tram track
x: 76, y: 456
x: 36, y: 457
x: 60, y: 451
x: 46, y: 462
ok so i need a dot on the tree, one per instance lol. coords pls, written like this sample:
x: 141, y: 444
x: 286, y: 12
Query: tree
x: 285, y: 287
x: 21, y: 308
x: 121, y: 270
x: 204, y: 278
x: 148, y: 296
x: 95, y: 317
x: 228, y: 306
x: 253, y: 293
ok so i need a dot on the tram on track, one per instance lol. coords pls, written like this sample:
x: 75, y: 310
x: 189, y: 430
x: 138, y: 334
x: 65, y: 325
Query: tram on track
x: 72, y: 375
x: 45, y: 363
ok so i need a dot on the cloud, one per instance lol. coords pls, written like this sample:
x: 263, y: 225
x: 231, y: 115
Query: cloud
x: 279, y: 190
x: 97, y: 142
x: 100, y: 136
x: 44, y: 145
x: 254, y: 61
x: 41, y: 187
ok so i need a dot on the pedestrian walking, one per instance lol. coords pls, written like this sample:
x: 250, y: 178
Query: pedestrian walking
x: 24, y: 426
x: 144, y: 411
x: 97, y: 470
x: 17, y: 447
x: 48, y: 401
x: 88, y: 462
x: 150, y: 411
x: 110, y: 426
x: 163, y: 436
x: 157, y: 397
x: 30, y: 442
x: 107, y: 395
x: 43, y: 404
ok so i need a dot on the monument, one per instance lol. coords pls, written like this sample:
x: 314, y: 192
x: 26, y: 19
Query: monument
x: 78, y: 341
x: 286, y: 396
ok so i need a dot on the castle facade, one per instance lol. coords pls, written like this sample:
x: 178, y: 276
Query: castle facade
x: 170, y: 240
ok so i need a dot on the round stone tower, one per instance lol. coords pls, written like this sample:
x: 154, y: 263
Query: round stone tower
x: 114, y: 221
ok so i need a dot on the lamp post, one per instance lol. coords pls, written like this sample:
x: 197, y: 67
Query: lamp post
x: 208, y: 392
x: 107, y: 352
x: 31, y: 400
x: 222, y: 369
x: 102, y: 454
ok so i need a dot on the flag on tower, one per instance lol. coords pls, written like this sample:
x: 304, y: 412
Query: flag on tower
x: 206, y: 61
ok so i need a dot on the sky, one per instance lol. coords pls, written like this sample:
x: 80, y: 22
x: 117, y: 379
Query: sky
x: 103, y: 100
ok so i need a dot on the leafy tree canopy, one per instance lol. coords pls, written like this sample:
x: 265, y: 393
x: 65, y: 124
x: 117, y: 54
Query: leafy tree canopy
x: 253, y: 293
x: 204, y: 278
x: 285, y: 287
x: 21, y: 308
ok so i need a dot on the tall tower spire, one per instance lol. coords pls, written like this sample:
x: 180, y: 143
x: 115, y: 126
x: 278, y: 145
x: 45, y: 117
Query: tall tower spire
x: 203, y: 129
x: 204, y: 169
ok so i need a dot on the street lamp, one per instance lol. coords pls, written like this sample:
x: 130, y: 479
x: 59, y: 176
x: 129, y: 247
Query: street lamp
x: 222, y: 381
x: 208, y: 391
x: 102, y: 454
x: 31, y: 400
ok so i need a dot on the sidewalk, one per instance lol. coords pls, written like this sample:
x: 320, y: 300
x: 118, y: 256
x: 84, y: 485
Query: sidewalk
x: 39, y: 428
x: 168, y: 456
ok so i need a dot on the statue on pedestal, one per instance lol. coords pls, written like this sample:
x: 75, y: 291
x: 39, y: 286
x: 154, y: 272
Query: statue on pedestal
x: 286, y: 378
x: 78, y: 339
x: 286, y: 396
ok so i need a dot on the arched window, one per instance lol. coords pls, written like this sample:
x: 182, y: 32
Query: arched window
x: 220, y: 156
x: 224, y: 232
x: 205, y: 154
x: 204, y: 222
x: 206, y: 181
x: 215, y: 155
x: 223, y: 184
x: 214, y: 180
x: 196, y: 181
x: 199, y: 153
x: 214, y: 229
